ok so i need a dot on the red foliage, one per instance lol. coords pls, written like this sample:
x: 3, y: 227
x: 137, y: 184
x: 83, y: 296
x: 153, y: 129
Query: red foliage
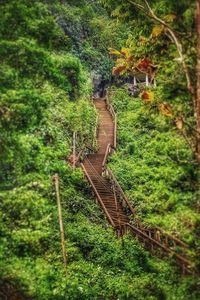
x: 118, y: 70
x: 147, y: 96
x: 144, y: 64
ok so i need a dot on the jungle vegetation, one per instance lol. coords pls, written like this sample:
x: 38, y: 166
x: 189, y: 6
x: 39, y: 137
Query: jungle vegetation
x: 48, y: 50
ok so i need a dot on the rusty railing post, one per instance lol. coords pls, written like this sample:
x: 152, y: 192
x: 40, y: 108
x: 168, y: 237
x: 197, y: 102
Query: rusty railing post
x: 56, y: 182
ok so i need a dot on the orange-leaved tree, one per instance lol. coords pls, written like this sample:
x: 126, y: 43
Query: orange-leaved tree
x: 125, y: 62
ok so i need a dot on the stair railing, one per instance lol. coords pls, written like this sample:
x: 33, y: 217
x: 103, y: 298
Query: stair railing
x: 83, y: 153
x: 122, y: 198
x: 109, y: 150
x: 98, y: 196
x: 152, y: 243
x: 153, y: 238
x: 95, y: 133
x: 161, y: 236
x: 96, y: 174
x: 114, y: 117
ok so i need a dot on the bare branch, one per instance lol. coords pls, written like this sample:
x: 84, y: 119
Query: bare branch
x: 176, y: 41
x: 188, y: 141
x: 148, y: 11
x: 140, y: 7
x: 137, y: 5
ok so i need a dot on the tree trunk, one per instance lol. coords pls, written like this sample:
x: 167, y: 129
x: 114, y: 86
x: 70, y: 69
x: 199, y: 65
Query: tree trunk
x: 197, y: 110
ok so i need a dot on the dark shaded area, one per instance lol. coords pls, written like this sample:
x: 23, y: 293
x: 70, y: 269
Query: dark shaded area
x: 9, y: 292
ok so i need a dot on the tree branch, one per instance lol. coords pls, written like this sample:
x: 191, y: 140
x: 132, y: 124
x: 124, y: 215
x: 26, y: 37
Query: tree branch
x: 177, y: 43
x: 148, y: 11
x: 137, y: 5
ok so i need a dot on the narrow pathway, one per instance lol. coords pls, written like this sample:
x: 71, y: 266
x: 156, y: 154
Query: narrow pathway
x: 93, y: 166
x: 114, y: 202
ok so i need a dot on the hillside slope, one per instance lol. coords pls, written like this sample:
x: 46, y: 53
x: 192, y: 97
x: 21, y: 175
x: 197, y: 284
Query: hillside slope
x: 47, y: 50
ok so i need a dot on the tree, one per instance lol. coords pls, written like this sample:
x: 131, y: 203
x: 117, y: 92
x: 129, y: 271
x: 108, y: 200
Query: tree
x: 163, y: 23
x: 197, y: 102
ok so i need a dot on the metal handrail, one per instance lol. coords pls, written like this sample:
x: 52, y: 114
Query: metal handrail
x: 98, y: 196
x: 156, y: 231
x: 95, y: 132
x: 83, y: 152
x: 106, y: 155
x: 183, y: 261
x: 112, y: 177
x: 165, y: 235
x: 151, y: 237
x: 114, y: 116
x: 96, y: 173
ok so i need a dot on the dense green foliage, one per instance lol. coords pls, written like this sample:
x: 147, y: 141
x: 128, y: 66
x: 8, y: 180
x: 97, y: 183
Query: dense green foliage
x: 90, y: 32
x: 162, y: 179
x: 155, y: 166
x: 160, y: 48
x: 47, y: 50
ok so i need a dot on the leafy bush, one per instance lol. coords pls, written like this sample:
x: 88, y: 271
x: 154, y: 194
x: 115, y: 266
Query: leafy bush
x: 154, y: 165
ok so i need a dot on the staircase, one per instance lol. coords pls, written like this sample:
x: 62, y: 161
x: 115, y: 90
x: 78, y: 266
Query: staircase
x: 114, y: 202
x: 92, y: 166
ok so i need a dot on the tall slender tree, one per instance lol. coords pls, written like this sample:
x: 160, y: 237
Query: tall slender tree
x: 197, y: 102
